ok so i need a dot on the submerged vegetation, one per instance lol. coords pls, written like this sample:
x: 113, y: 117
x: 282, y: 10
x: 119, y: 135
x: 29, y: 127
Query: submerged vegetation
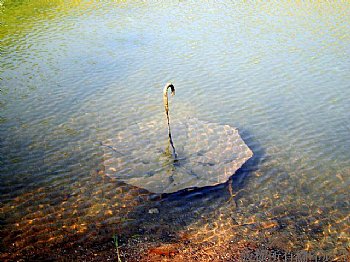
x: 116, y: 244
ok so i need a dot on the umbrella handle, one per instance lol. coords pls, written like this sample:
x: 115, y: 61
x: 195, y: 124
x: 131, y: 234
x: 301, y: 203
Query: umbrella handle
x: 166, y: 107
x: 165, y: 97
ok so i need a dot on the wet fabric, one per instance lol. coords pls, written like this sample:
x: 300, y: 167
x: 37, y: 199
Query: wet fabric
x: 207, y: 154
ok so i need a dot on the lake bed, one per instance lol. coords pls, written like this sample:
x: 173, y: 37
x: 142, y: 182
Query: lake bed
x: 75, y: 74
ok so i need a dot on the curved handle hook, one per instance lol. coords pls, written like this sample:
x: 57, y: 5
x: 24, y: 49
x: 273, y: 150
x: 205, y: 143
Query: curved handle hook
x: 165, y: 97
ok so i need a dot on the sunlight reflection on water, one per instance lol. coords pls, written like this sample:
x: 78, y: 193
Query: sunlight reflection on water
x: 74, y: 74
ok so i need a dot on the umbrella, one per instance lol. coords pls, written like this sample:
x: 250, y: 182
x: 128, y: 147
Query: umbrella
x: 203, y: 154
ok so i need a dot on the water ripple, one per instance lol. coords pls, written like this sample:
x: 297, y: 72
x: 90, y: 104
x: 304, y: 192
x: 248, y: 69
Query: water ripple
x: 75, y: 74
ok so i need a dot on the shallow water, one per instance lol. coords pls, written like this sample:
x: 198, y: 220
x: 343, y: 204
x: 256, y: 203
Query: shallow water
x: 74, y: 74
x: 206, y: 155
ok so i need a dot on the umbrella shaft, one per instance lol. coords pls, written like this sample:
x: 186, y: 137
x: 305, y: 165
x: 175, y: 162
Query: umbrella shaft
x: 171, y: 140
x: 166, y: 107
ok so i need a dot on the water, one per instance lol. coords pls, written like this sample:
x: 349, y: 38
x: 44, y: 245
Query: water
x: 74, y: 74
x: 206, y: 155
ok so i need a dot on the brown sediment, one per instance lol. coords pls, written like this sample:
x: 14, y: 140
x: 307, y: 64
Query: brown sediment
x: 53, y: 223
x: 142, y: 248
x: 78, y: 222
x: 164, y: 250
x: 136, y: 250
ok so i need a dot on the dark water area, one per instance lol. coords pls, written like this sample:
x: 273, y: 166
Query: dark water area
x: 76, y: 73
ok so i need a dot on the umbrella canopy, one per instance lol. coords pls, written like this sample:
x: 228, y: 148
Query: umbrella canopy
x: 207, y: 154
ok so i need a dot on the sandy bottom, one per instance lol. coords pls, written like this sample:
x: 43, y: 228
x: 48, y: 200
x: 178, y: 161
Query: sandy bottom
x: 78, y: 223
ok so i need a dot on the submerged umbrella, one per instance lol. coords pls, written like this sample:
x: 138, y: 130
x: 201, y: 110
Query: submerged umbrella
x: 206, y: 154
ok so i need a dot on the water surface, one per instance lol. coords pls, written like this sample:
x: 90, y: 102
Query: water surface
x: 75, y: 73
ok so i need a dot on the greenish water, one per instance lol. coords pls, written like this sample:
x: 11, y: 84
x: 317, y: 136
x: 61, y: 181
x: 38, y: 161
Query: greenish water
x: 75, y: 73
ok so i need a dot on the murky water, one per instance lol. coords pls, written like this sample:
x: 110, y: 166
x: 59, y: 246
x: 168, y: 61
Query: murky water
x: 74, y: 74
